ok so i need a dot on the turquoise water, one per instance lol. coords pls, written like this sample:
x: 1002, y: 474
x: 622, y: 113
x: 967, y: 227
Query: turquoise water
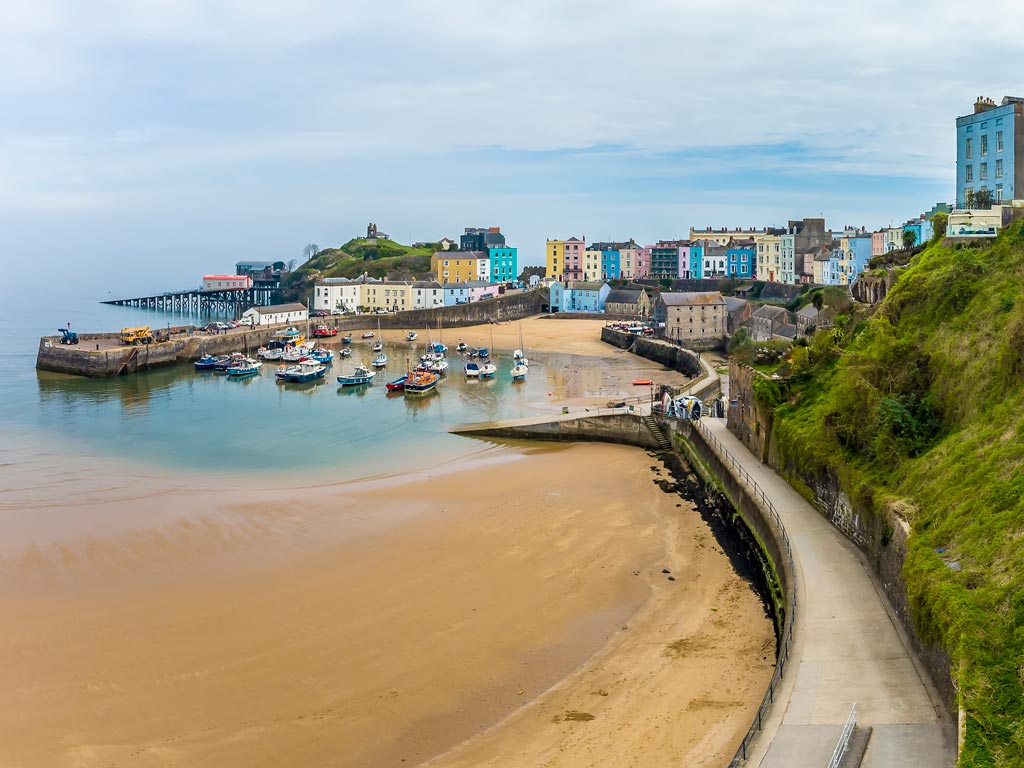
x: 203, y: 421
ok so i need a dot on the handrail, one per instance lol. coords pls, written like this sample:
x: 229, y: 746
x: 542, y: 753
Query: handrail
x: 787, y: 631
x: 844, y: 739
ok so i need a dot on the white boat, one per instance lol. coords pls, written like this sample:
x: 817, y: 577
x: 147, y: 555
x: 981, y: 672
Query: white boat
x: 487, y: 370
x: 438, y: 366
x: 361, y: 375
x: 244, y: 368
x: 519, y: 372
x: 377, y: 346
x: 268, y: 353
x: 472, y: 370
x: 411, y: 336
x: 380, y: 360
x: 307, y: 370
x: 345, y: 352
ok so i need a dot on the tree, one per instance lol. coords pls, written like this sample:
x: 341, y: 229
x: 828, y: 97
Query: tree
x: 983, y: 199
x: 818, y: 300
x: 291, y: 265
x: 939, y: 223
x: 310, y: 251
x: 909, y: 238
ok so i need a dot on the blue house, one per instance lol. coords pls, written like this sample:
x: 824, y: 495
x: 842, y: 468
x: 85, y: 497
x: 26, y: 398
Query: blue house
x: 922, y: 230
x: 739, y: 260
x: 504, y: 264
x: 696, y: 260
x: 456, y: 293
x: 987, y: 143
x: 610, y: 264
x: 585, y: 297
x: 556, y: 297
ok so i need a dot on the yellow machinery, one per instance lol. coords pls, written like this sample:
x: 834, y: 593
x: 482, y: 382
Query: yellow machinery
x: 136, y: 335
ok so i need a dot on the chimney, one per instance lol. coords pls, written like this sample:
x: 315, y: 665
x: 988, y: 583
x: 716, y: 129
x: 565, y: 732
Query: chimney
x: 983, y: 104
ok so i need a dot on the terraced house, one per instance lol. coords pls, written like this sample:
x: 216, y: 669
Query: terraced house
x: 990, y: 151
x: 460, y: 266
x: 565, y: 259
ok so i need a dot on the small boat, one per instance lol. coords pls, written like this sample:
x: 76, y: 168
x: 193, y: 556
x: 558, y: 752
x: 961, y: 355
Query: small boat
x: 484, y: 352
x: 377, y: 346
x: 487, y: 370
x: 380, y: 360
x: 324, y: 331
x: 322, y: 356
x: 301, y: 372
x: 438, y: 348
x: 296, y: 353
x: 368, y: 335
x: 519, y: 372
x: 205, y: 363
x: 462, y: 346
x: 642, y: 382
x: 346, y: 339
x: 397, y: 384
x: 519, y: 357
x: 224, y: 362
x: 421, y: 382
x: 269, y: 353
x: 473, y: 352
x: 472, y: 370
x: 361, y: 375
x: 290, y: 334
x: 245, y: 369
x: 345, y: 352
x: 411, y: 336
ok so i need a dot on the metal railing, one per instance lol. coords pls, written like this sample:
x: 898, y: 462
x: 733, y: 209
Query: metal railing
x: 786, y: 640
x: 844, y: 739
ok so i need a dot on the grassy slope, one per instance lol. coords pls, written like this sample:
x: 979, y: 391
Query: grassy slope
x: 374, y: 257
x: 922, y: 409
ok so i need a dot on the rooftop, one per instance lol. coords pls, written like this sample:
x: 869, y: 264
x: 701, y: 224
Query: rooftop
x: 686, y: 299
x: 275, y: 309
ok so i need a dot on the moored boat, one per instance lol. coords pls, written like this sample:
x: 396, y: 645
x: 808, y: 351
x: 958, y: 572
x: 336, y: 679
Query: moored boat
x: 361, y: 375
x: 421, y: 382
x: 368, y: 335
x: 462, y: 346
x: 411, y: 336
x: 484, y: 352
x: 301, y: 372
x: 472, y: 370
x: 322, y: 356
x: 224, y: 362
x: 380, y: 360
x: 519, y: 372
x: 205, y: 363
x: 244, y: 369
x: 324, y: 331
x: 346, y: 339
x: 345, y: 352
x: 289, y: 335
x: 487, y: 370
x: 397, y: 384
x: 269, y: 353
x: 377, y: 346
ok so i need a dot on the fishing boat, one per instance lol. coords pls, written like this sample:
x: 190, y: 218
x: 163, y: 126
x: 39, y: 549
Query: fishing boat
x: 324, y: 331
x: 345, y: 352
x: 224, y: 362
x: 411, y: 336
x: 205, y: 363
x: 301, y: 372
x: 269, y: 353
x: 421, y: 382
x: 291, y: 335
x: 361, y: 375
x: 243, y: 370
x: 322, y: 356
x: 398, y: 384
x: 472, y: 370
x: 297, y: 353
x: 380, y: 360
x: 519, y: 371
x: 487, y: 370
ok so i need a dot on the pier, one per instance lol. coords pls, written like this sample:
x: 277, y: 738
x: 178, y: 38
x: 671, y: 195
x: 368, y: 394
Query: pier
x: 199, y: 303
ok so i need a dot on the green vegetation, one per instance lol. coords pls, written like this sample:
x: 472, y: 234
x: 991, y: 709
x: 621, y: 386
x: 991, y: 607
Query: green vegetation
x: 375, y: 257
x: 920, y: 411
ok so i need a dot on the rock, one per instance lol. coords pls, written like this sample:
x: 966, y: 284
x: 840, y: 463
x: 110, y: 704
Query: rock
x: 665, y: 570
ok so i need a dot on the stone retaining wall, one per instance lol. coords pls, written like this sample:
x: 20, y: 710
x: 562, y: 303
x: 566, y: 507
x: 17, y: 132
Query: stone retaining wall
x: 661, y: 352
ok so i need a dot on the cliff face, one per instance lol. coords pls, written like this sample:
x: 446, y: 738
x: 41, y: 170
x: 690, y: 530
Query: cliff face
x: 906, y: 431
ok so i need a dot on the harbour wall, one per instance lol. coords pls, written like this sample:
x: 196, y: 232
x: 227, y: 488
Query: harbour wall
x: 503, y: 308
x: 661, y: 352
x: 624, y: 428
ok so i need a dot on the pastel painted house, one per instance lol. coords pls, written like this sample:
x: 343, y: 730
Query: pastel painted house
x: 740, y: 259
x: 579, y: 297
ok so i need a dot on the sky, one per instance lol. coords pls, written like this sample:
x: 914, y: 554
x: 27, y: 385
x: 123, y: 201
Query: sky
x: 146, y: 143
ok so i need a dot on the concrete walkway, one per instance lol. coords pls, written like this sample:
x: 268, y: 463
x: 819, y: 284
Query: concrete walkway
x: 848, y: 648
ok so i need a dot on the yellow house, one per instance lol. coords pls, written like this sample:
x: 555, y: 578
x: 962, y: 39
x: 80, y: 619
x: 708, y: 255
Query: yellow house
x: 565, y: 259
x: 392, y: 295
x: 555, y: 255
x: 459, y: 267
x: 768, y: 249
x: 592, y: 266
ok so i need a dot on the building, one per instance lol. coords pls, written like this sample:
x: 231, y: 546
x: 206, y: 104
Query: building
x: 878, y: 243
x: 265, y: 274
x: 445, y: 243
x: 612, y: 261
x: 767, y: 321
x: 715, y: 260
x: 275, y: 314
x: 800, y: 237
x: 665, y: 258
x: 737, y: 312
x: 809, y: 319
x: 468, y: 291
x: 427, y: 294
x: 769, y: 255
x: 390, y: 295
x: 504, y: 265
x: 226, y: 282
x: 643, y: 263
x: 692, y: 317
x: 740, y: 258
x: 460, y: 266
x: 627, y: 301
x: 481, y: 239
x: 339, y: 294
x: 578, y: 296
x: 978, y: 223
x: 565, y: 259
x: 990, y: 151
x: 724, y: 235
x: 855, y: 252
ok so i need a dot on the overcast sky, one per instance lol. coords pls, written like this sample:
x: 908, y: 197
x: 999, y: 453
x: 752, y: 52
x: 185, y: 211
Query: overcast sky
x: 180, y: 135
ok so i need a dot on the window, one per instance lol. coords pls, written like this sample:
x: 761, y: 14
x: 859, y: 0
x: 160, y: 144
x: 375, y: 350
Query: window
x: 984, y: 144
x: 999, y: 169
x: 983, y: 171
x: 999, y: 141
x: 969, y: 173
x: 970, y: 149
x: 999, y: 192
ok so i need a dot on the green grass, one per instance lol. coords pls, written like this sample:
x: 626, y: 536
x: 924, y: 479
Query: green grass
x: 923, y: 407
x: 375, y: 257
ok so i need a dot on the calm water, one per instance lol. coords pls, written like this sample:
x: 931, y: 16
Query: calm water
x: 202, y: 421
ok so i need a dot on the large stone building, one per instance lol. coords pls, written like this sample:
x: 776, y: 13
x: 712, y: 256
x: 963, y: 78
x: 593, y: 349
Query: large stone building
x: 627, y: 301
x: 990, y: 151
x: 692, y: 317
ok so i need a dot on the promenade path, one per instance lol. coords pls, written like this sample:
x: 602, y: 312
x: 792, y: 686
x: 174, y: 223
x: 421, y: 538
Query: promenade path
x: 848, y: 648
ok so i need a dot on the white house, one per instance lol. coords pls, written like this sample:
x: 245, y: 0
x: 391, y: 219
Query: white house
x: 338, y: 294
x: 275, y: 315
x: 427, y: 294
x: 226, y: 282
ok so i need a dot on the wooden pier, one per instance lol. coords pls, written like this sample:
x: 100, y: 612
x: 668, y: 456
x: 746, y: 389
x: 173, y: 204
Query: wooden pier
x: 200, y: 303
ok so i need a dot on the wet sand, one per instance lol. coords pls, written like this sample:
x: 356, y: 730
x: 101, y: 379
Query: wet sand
x: 509, y: 609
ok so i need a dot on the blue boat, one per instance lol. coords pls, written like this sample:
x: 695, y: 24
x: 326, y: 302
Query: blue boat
x: 245, y: 369
x: 397, y: 384
x: 484, y: 353
x: 224, y: 362
x: 346, y: 339
x: 361, y: 375
x: 472, y: 370
x: 322, y: 356
x: 303, y: 371
x: 205, y: 363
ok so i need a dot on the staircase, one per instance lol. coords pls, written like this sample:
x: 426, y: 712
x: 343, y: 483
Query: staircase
x: 659, y: 434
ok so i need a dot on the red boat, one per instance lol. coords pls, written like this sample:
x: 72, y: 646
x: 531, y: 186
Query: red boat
x: 642, y: 382
x: 323, y: 331
x: 397, y: 384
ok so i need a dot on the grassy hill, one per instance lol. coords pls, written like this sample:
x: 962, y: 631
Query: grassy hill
x: 375, y: 257
x: 920, y: 409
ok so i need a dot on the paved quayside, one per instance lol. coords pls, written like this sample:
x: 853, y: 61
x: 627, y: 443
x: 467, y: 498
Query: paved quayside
x: 848, y: 649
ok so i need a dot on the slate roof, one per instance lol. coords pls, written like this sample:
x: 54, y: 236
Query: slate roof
x: 585, y: 286
x: 772, y: 313
x: 733, y: 304
x: 623, y: 296
x: 810, y: 312
x: 274, y: 309
x: 684, y: 299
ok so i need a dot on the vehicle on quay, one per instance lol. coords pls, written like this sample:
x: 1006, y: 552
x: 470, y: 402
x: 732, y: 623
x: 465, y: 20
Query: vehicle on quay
x: 140, y: 335
x: 301, y: 372
x: 67, y: 336
x: 361, y: 375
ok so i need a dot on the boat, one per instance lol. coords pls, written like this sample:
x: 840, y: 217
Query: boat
x: 462, y: 346
x: 322, y: 356
x: 420, y: 382
x: 324, y: 331
x: 291, y: 334
x: 487, y: 370
x: 438, y: 366
x: 377, y: 346
x: 520, y: 365
x: 473, y: 352
x: 346, y: 339
x: 472, y: 370
x: 301, y: 372
x: 380, y: 360
x: 519, y: 372
x: 368, y: 335
x: 345, y: 352
x: 438, y: 348
x: 205, y: 363
x: 245, y: 369
x: 361, y: 375
x: 269, y: 353
x: 224, y: 362
x: 519, y: 357
x: 484, y: 352
x: 397, y: 384
x: 411, y: 336
x: 642, y: 382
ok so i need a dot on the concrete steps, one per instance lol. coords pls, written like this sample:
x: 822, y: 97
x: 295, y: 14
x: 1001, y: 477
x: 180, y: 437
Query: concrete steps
x: 659, y: 434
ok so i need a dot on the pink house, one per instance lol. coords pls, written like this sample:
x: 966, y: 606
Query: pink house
x: 878, y: 243
x: 643, y: 263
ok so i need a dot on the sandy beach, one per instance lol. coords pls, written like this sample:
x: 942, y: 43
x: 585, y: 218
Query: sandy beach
x: 507, y: 609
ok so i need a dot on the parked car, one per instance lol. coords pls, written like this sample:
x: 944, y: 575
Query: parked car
x: 319, y: 313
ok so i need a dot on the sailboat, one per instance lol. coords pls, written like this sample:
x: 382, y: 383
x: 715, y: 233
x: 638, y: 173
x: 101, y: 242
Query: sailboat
x: 520, y: 365
x: 487, y: 368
